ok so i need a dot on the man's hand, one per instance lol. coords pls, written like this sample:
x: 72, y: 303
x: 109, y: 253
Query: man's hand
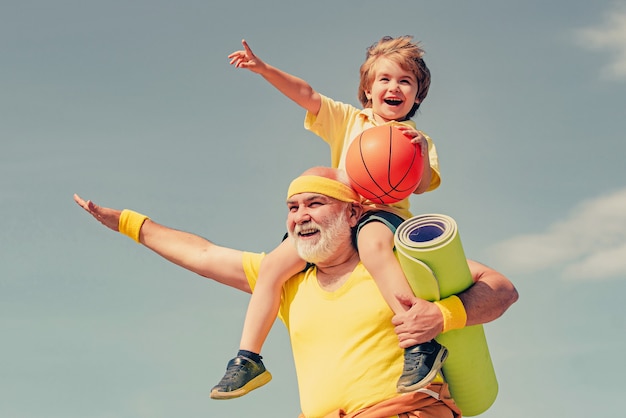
x: 421, y: 323
x: 106, y: 216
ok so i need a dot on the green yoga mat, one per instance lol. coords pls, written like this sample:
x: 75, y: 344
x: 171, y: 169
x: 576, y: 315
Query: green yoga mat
x: 432, y: 257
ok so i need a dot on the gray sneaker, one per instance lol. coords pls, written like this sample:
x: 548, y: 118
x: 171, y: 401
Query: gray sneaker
x: 422, y: 362
x: 242, y: 375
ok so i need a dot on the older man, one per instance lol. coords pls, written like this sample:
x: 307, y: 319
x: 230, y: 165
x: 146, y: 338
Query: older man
x: 344, y: 343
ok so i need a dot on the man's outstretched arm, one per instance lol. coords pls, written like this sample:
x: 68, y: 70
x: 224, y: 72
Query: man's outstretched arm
x: 187, y: 250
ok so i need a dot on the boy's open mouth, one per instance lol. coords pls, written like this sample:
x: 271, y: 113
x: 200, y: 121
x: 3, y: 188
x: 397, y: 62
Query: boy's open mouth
x: 393, y: 102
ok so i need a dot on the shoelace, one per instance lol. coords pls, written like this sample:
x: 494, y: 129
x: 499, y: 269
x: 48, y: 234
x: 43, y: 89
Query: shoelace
x: 234, y: 369
x: 413, y: 361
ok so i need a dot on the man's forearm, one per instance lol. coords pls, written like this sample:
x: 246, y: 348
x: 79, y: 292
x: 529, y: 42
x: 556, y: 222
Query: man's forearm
x: 195, y: 254
x: 489, y: 297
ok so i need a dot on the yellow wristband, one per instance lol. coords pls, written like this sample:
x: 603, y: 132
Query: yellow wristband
x: 130, y: 223
x: 454, y: 315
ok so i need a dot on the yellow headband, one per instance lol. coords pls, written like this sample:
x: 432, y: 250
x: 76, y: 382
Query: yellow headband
x: 322, y: 185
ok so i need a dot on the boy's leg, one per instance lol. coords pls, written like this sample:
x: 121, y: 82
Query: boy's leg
x: 375, y: 242
x: 246, y: 371
x: 276, y: 268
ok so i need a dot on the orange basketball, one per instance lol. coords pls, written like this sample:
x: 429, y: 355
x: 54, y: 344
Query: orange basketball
x: 383, y: 164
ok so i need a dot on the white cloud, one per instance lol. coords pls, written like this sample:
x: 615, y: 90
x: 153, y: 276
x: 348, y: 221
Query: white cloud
x: 609, y: 263
x: 589, y: 244
x: 609, y: 36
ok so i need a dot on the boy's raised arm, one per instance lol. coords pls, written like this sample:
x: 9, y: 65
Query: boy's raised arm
x: 291, y: 86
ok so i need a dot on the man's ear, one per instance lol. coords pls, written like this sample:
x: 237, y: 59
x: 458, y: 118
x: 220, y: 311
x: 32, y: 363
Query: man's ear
x: 356, y: 210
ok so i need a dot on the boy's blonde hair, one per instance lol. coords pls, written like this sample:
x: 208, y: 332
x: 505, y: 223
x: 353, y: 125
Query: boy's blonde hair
x: 405, y: 53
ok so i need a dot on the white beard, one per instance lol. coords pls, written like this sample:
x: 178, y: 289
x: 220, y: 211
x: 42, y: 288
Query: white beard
x: 333, y: 234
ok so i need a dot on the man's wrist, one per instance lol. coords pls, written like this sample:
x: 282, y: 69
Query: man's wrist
x: 453, y: 311
x: 130, y: 223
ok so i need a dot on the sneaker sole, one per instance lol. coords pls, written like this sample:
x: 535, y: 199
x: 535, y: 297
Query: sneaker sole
x: 255, y: 383
x: 441, y: 358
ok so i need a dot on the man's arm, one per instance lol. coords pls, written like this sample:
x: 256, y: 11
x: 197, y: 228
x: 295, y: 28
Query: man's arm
x: 189, y: 251
x: 489, y: 297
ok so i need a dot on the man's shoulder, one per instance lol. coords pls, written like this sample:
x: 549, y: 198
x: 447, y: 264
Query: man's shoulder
x: 251, y: 263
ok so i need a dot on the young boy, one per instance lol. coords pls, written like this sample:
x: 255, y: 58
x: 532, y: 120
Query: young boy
x: 394, y: 82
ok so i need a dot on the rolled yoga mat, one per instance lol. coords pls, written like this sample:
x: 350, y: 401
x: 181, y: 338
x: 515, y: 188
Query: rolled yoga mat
x: 432, y: 257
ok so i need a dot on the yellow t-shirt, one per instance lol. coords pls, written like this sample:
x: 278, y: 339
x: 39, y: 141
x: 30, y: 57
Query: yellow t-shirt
x: 345, y: 349
x: 338, y: 124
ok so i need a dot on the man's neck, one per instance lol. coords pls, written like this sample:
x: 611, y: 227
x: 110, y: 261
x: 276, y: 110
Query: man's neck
x: 333, y: 274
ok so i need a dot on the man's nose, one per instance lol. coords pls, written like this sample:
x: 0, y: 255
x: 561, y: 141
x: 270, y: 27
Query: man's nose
x: 302, y: 215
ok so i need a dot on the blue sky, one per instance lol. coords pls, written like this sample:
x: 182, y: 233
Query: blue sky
x: 133, y: 104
